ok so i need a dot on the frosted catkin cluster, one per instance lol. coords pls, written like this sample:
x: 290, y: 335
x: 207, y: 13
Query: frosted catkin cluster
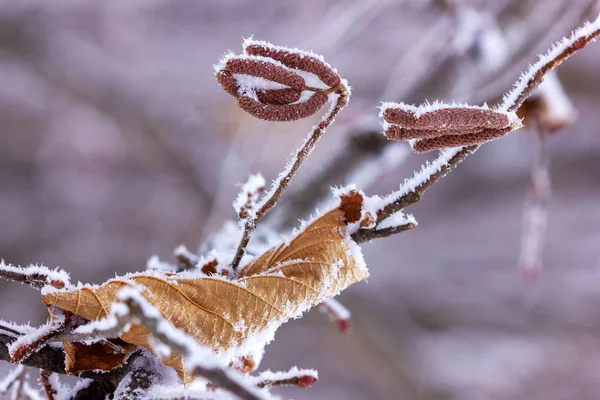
x: 276, y: 83
x: 438, y: 126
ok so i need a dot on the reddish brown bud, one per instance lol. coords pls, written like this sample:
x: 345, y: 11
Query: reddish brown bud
x: 266, y: 70
x: 210, y: 268
x: 580, y: 43
x: 351, y: 204
x: 306, y: 381
x: 298, y: 61
x: 279, y: 96
x: 284, y: 112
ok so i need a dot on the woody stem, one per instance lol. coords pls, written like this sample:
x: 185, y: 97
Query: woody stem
x: 283, y: 181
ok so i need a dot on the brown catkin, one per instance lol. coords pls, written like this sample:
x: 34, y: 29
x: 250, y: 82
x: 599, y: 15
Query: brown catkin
x: 448, y: 119
x: 228, y: 82
x: 446, y: 141
x: 266, y: 70
x: 456, y: 118
x: 279, y: 96
x: 294, y: 60
x: 400, y: 117
x: 284, y: 112
x: 395, y: 132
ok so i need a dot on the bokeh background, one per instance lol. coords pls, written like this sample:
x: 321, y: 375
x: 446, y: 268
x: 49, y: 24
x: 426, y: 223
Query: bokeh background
x: 117, y: 144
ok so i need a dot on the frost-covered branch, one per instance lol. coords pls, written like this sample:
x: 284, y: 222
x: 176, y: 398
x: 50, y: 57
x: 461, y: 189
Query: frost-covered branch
x: 283, y: 180
x: 294, y: 377
x: 558, y: 53
x: 246, y: 201
x: 276, y: 83
x: 363, y: 158
x: 110, y: 327
x: 52, y: 358
x: 200, y: 362
x: 49, y: 386
x: 365, y: 235
x: 34, y: 275
x: 31, y: 343
x: 412, y: 189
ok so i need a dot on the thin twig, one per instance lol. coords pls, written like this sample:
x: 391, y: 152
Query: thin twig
x: 365, y: 235
x: 10, y: 330
x: 358, y: 150
x: 283, y: 181
x: 363, y: 149
x: 35, y: 276
x: 412, y: 190
x: 49, y: 389
x: 301, y: 379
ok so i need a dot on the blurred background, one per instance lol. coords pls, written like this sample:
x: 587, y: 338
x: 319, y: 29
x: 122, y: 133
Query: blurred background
x: 116, y: 144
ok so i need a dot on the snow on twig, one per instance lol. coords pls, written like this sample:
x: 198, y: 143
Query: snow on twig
x: 112, y: 326
x: 200, y: 361
x: 294, y: 377
x: 50, y: 384
x: 35, y: 276
x: 558, y: 53
x: 412, y: 189
x: 15, y: 330
x: 281, y: 183
x: 308, y: 83
x: 30, y: 343
x: 245, y: 204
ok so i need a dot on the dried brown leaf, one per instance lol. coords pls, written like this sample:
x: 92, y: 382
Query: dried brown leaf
x: 223, y: 314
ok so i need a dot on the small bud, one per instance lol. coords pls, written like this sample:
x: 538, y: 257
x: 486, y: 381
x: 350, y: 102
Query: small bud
x: 306, y: 381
